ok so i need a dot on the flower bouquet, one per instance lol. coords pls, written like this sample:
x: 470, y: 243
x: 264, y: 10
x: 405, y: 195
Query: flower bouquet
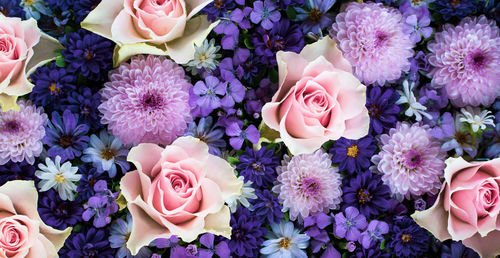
x: 239, y: 128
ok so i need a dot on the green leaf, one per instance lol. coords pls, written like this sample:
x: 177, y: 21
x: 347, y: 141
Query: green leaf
x: 290, y: 12
x: 273, y: 75
x: 248, y: 43
x: 60, y: 61
x: 382, y: 245
x: 233, y: 160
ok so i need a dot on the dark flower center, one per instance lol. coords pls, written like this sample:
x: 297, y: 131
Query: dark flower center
x: 380, y: 38
x: 13, y: 126
x: 108, y: 154
x: 310, y: 186
x: 413, y: 159
x: 151, y: 101
x: 89, y: 54
x: 416, y: 2
x: 315, y: 15
x: 454, y: 3
x: 4, y: 10
x: 54, y: 89
x: 406, y: 238
x: 65, y: 141
x: 218, y: 4
x: 461, y: 137
x: 160, y: 2
x: 285, y: 243
x: 373, y: 110
x: 257, y: 166
x: 352, y: 151
x: 478, y: 60
x: 275, y: 45
x: 363, y: 196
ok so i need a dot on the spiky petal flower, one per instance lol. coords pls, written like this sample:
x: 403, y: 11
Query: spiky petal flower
x: 21, y: 133
x: 371, y: 38
x: 466, y: 60
x: 146, y: 101
x: 308, y: 184
x: 411, y: 163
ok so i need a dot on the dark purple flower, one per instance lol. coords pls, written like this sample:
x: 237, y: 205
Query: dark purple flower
x: 457, y: 250
x: 52, y: 85
x: 238, y: 136
x: 258, y: 167
x: 265, y: 13
x: 57, y: 213
x: 218, y: 8
x: 282, y: 36
x: 90, y: 176
x: 372, y: 252
x: 420, y: 204
x: 284, y: 4
x: 408, y: 239
x: 314, y: 15
x: 255, y: 99
x: 204, y: 94
x: 382, y: 108
x: 12, y: 8
x: 444, y: 127
x: 82, y: 8
x: 88, y: 53
x: 368, y: 193
x: 65, y: 136
x: 191, y: 250
x: 90, y: 242
x: 85, y: 103
x: 266, y: 206
x: 350, y: 225
x: 418, y: 63
x: 247, y: 233
x: 454, y: 8
x: 330, y: 252
x: 17, y: 171
x: 353, y: 155
x: 211, y: 135
x: 373, y: 233
x: 434, y: 99
x: 221, y: 249
x: 350, y: 246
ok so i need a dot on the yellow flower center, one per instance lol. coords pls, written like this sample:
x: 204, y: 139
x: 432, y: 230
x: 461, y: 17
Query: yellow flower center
x: 352, y: 151
x: 406, y: 238
x: 285, y: 243
x: 60, y: 178
x: 108, y: 154
x: 53, y: 88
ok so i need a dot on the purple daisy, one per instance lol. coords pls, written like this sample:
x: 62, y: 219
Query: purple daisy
x: 353, y: 155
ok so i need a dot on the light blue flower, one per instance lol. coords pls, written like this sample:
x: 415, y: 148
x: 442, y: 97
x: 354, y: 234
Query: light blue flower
x: 314, y: 15
x: 33, y: 8
x: 285, y: 241
x: 119, y: 233
x: 105, y: 152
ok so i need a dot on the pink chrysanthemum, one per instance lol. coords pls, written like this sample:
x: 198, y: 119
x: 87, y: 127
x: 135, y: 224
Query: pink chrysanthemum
x: 466, y: 61
x: 411, y: 163
x: 21, y: 133
x: 371, y: 38
x: 308, y: 184
x: 146, y: 101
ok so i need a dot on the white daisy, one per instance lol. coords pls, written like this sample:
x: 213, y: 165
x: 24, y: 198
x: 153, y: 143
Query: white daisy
x: 61, y: 178
x: 415, y: 108
x: 477, y: 118
x: 285, y: 241
x: 247, y: 192
x: 205, y: 56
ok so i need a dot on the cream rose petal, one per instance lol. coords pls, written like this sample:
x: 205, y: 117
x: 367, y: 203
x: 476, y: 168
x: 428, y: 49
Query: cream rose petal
x: 218, y: 223
x: 220, y: 172
x: 102, y: 17
x: 194, y: 6
x: 434, y: 219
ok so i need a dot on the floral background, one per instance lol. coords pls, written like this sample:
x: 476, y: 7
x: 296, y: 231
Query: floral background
x: 233, y: 128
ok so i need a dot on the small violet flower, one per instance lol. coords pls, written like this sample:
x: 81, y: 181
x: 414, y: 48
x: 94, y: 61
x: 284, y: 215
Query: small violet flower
x: 238, y: 136
x: 101, y: 205
x: 266, y: 13
x: 373, y: 233
x: 350, y: 225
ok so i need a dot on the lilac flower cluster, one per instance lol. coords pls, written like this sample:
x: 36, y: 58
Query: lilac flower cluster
x: 101, y: 206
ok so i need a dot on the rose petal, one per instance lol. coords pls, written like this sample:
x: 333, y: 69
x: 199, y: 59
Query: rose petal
x: 100, y: 20
x: 326, y: 48
x: 218, y: 223
x: 435, y: 218
x: 220, y: 172
x: 485, y: 246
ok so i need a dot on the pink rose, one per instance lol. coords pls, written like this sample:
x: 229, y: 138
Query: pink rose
x: 179, y: 190
x: 318, y: 99
x: 23, y: 233
x: 468, y: 206
x: 157, y: 27
x: 22, y: 49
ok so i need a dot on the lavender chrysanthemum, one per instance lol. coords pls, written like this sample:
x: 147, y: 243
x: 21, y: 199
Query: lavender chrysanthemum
x: 466, y: 61
x: 308, y: 184
x: 21, y: 133
x: 371, y: 38
x: 410, y: 161
x: 146, y: 101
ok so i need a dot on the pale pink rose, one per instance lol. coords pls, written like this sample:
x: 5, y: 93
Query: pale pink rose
x: 161, y: 27
x: 468, y: 206
x: 179, y: 190
x: 23, y: 233
x: 318, y: 99
x: 22, y: 49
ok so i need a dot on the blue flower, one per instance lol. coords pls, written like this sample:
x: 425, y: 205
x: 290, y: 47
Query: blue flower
x: 353, y: 155
x: 266, y: 206
x: 373, y: 233
x: 218, y: 8
x: 265, y: 13
x: 382, y: 108
x: 101, y: 206
x: 90, y: 242
x: 247, y: 233
x: 314, y: 15
x: 16, y: 171
x: 82, y: 8
x: 211, y: 135
x: 89, y: 178
x: 408, y: 239
x: 65, y: 136
x: 258, y: 166
x: 454, y: 8
x: 119, y: 233
x: 57, y: 213
x: 350, y: 225
x: 238, y: 136
x: 88, y: 53
x: 105, y: 152
x: 11, y: 8
x: 85, y: 103
x: 285, y: 241
x: 52, y: 86
x: 205, y: 95
x: 34, y: 8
